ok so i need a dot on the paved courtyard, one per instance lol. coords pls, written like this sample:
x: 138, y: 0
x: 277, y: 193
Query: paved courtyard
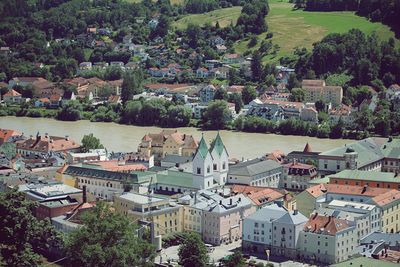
x: 219, y: 252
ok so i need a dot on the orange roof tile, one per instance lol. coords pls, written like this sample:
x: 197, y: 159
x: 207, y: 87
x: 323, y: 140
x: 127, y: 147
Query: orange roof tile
x: 326, y: 225
x: 11, y: 93
x: 387, y: 198
x: 5, y: 134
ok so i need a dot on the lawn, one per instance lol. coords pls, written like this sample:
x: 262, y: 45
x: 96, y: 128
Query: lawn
x: 173, y: 2
x: 224, y: 16
x: 298, y: 28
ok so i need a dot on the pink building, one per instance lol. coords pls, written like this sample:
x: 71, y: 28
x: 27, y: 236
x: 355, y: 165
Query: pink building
x: 223, y: 221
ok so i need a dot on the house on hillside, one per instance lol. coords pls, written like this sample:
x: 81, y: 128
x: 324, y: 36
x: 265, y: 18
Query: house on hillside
x: 12, y: 97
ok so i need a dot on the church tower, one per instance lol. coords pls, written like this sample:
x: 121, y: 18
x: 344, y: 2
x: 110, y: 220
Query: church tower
x: 220, y: 160
x: 203, y: 175
x: 350, y: 157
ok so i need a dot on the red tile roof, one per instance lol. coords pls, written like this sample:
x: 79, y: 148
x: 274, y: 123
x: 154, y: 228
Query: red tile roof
x: 326, y: 225
x: 5, y: 134
x: 12, y: 93
x: 259, y: 195
x: 387, y: 198
x: 48, y: 143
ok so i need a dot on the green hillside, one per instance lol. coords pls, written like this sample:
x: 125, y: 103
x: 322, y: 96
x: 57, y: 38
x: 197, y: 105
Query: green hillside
x: 298, y: 28
x: 224, y: 16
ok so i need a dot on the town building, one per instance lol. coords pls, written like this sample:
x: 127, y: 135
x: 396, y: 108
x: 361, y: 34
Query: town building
x: 216, y: 216
x: 257, y: 172
x: 342, y: 113
x: 273, y: 228
x: 296, y: 176
x: 307, y: 156
x: 91, y: 155
x: 327, y: 240
x: 363, y: 155
x: 309, y: 200
x: 388, y: 204
x: 53, y: 199
x: 315, y: 90
x: 166, y: 216
x: 366, y: 178
x: 43, y: 144
x: 260, y: 196
x: 391, y: 152
x: 365, y: 216
x: 167, y: 142
x: 7, y: 135
x: 309, y: 114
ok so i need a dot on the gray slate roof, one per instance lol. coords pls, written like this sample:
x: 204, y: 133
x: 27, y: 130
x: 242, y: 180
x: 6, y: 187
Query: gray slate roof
x: 253, y: 167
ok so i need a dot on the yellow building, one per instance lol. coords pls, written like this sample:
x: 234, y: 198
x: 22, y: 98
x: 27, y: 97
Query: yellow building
x: 167, y: 217
x: 390, y: 210
x: 315, y: 90
x: 65, y: 178
x: 168, y: 142
x: 306, y: 201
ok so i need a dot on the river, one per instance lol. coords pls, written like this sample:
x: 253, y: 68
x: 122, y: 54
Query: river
x: 117, y: 137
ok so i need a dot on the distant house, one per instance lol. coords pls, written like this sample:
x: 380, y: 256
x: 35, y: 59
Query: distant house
x: 232, y: 59
x: 216, y: 40
x: 12, y: 97
x: 85, y: 66
x: 153, y: 23
x: 131, y: 65
x: 156, y: 72
x: 212, y: 63
x: 116, y: 86
x: 207, y: 93
x: 114, y: 99
x: 202, y: 73
x: 42, y: 102
x: 392, y: 92
x: 221, y: 48
x: 55, y: 101
x: 342, y: 113
x: 309, y: 114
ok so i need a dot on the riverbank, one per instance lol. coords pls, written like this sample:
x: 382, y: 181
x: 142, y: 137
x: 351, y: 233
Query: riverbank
x: 119, y: 137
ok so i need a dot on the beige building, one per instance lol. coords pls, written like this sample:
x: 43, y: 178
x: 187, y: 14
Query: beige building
x: 315, y: 90
x: 388, y: 204
x: 167, y: 217
x: 327, y: 240
x: 168, y: 142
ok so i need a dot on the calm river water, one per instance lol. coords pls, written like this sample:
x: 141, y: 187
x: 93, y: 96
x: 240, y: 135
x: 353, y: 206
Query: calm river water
x: 116, y: 137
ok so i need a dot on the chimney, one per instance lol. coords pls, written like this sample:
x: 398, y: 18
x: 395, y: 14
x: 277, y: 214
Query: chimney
x: 230, y: 201
x: 220, y: 202
x: 295, y: 212
x: 84, y: 198
x: 67, y: 137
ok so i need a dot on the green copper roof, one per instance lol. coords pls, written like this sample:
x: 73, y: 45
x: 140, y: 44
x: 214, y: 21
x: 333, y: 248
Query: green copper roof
x: 202, y: 149
x: 218, y: 145
x: 391, y: 148
x: 365, y: 262
x: 366, y: 176
x: 175, y: 178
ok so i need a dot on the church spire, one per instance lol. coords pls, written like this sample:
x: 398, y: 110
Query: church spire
x: 202, y: 148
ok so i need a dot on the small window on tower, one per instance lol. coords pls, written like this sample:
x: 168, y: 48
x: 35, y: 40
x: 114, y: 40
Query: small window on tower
x: 208, y: 169
x: 198, y: 170
x: 215, y: 167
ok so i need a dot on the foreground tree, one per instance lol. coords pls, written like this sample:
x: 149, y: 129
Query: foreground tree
x: 22, y: 236
x: 108, y: 239
x: 90, y: 142
x: 193, y: 251
x: 249, y: 93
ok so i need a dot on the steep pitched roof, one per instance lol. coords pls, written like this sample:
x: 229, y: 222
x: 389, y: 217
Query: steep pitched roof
x: 326, y: 225
x: 218, y: 145
x: 202, y: 148
x: 387, y: 198
x: 307, y: 148
x: 12, y: 92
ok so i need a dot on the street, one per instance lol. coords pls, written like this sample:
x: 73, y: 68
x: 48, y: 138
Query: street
x: 219, y: 252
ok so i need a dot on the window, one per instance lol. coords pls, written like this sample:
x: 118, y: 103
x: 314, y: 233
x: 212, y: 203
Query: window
x: 198, y: 170
x: 208, y: 169
x: 223, y: 165
x: 215, y: 167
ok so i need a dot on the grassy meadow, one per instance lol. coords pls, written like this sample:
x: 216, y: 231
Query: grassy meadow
x: 224, y: 16
x: 298, y: 28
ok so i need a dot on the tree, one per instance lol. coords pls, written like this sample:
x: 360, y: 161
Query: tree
x: 221, y: 94
x: 90, y: 142
x: 337, y: 130
x: 320, y: 105
x: 72, y: 111
x: 256, y: 67
x: 297, y: 95
x: 109, y: 239
x: 217, y: 115
x: 193, y: 251
x: 235, y: 260
x: 132, y: 85
x: 178, y: 116
x: 131, y: 112
x: 236, y: 98
x: 22, y: 236
x: 293, y: 82
x: 249, y: 93
x: 364, y: 120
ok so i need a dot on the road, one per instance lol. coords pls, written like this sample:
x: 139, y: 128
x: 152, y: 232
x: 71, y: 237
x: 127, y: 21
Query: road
x: 219, y: 252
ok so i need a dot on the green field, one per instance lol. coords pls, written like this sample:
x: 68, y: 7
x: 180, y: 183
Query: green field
x: 224, y: 16
x: 298, y: 28
x: 173, y: 2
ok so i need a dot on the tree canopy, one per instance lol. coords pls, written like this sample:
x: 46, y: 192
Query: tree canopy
x: 89, y: 141
x: 193, y: 251
x: 108, y: 239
